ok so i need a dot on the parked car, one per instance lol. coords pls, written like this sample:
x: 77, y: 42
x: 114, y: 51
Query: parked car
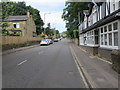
x: 50, y: 41
x: 44, y: 42
x: 55, y: 40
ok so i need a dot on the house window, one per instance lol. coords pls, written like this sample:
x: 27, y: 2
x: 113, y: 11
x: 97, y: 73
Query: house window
x: 101, y: 39
x: 119, y: 4
x: 96, y: 40
x: 91, y: 38
x: 101, y: 30
x: 109, y: 38
x: 16, y: 25
x: 110, y: 27
x: 113, y: 6
x: 105, y: 39
x: 105, y: 29
x: 96, y: 36
x: 115, y: 26
x: 116, y: 39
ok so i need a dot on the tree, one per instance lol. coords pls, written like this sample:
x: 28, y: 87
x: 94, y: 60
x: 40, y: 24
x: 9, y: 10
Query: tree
x: 70, y: 15
x: 76, y: 33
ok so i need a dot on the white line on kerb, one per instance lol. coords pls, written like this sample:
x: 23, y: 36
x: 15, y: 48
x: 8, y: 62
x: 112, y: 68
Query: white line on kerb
x: 22, y: 62
x: 85, y: 76
x: 87, y: 86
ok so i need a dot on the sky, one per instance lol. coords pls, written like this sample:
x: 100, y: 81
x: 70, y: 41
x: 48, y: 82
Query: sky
x: 50, y: 11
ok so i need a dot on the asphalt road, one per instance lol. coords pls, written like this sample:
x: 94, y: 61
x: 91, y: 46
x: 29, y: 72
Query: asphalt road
x: 42, y: 67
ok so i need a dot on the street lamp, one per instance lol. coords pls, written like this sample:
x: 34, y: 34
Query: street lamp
x: 44, y: 19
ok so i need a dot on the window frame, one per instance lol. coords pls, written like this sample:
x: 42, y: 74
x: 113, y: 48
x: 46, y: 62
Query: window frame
x: 109, y: 32
x: 17, y: 25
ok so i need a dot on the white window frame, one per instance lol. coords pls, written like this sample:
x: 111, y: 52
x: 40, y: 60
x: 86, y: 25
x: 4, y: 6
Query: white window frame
x: 17, y: 25
x: 90, y: 39
x: 113, y: 31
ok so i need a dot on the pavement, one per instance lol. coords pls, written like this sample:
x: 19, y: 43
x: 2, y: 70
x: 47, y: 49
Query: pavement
x: 97, y: 71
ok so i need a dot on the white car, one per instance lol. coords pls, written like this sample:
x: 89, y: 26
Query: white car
x: 50, y: 41
x: 44, y: 42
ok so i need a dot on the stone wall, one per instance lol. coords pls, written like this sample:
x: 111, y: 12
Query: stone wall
x: 115, y: 56
x: 6, y: 40
x: 9, y: 42
x: 91, y: 50
x: 76, y: 41
x: 105, y: 53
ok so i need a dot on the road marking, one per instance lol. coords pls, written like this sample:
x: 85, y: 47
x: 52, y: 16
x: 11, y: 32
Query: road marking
x: 82, y: 49
x: 85, y: 76
x: 22, y: 62
x: 104, y: 60
x: 40, y: 52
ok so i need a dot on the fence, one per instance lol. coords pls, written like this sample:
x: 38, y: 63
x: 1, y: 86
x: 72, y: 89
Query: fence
x: 7, y: 40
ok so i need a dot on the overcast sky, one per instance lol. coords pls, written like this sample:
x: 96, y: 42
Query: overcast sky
x: 53, y: 10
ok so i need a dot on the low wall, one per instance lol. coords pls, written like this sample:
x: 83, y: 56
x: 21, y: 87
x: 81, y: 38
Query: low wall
x: 7, y: 40
x: 76, y: 41
x: 115, y: 56
x: 10, y: 42
x: 104, y: 53
x: 91, y: 50
x: 97, y: 51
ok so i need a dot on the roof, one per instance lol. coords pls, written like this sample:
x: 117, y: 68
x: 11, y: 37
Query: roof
x: 16, y: 18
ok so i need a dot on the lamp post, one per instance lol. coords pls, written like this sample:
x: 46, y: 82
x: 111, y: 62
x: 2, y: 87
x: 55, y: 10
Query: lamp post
x: 44, y: 19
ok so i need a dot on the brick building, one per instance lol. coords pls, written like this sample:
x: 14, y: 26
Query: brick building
x: 23, y: 25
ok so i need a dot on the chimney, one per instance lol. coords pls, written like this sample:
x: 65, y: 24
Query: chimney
x: 28, y: 14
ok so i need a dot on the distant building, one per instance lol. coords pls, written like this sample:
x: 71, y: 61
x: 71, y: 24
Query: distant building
x: 23, y: 25
x: 63, y: 34
x: 99, y: 32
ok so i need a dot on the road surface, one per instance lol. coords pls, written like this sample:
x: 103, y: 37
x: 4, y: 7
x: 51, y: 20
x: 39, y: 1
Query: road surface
x: 50, y: 66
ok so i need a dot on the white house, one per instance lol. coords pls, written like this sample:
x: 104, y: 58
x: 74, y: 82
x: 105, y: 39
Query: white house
x: 102, y: 33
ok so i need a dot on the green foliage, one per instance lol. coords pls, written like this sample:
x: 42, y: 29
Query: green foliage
x: 58, y: 36
x: 4, y: 32
x: 17, y: 34
x: 76, y: 33
x: 69, y: 34
x: 43, y: 36
x: 57, y: 32
x: 20, y: 8
x: 4, y: 25
x: 70, y: 15
x: 49, y: 31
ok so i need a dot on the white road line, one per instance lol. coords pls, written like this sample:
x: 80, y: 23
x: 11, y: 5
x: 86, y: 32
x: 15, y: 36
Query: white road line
x: 22, y: 62
x: 40, y: 52
x: 104, y: 60
x: 87, y: 86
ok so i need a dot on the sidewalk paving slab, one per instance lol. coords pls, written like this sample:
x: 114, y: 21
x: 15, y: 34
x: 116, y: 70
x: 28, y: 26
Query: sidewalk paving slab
x: 100, y: 72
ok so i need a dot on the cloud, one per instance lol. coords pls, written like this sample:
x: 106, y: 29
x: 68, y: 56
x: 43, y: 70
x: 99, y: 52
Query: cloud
x: 55, y: 19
